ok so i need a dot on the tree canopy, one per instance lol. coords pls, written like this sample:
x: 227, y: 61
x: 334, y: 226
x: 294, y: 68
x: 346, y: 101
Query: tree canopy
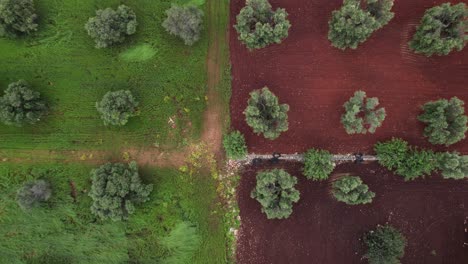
x: 117, y: 107
x: 116, y: 189
x: 259, y: 26
x: 185, y: 22
x: 442, y: 29
x: 20, y: 105
x: 276, y: 193
x: 445, y: 121
x: 318, y: 164
x: 234, y: 145
x: 453, y: 165
x: 111, y: 26
x: 17, y: 17
x: 362, y: 115
x: 351, y: 190
x: 32, y: 193
x: 265, y: 115
x: 385, y: 245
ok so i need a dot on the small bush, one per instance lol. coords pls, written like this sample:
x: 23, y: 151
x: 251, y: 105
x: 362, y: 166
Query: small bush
x: 115, y: 190
x: 20, y: 105
x: 453, y: 166
x: 259, y: 26
x: 318, y: 164
x: 385, y: 245
x: 265, y: 115
x: 17, y: 17
x: 351, y: 190
x: 117, y: 107
x: 276, y: 193
x: 406, y: 161
x: 185, y: 22
x: 445, y: 121
x: 33, y: 193
x: 111, y: 27
x: 443, y: 29
x: 234, y: 145
x: 358, y: 106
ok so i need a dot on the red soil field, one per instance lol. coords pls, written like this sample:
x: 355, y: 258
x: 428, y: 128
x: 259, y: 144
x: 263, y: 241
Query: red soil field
x: 315, y: 79
x: 429, y: 212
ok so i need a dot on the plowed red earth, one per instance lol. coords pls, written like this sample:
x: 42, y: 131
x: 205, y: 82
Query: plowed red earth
x: 429, y: 212
x: 315, y: 79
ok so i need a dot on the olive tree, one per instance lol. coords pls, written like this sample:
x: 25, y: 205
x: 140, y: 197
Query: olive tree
x: 318, y: 164
x: 259, y: 26
x: 453, y: 165
x: 381, y: 10
x: 385, y: 245
x: 351, y: 190
x: 20, y: 105
x: 116, y: 189
x: 32, y: 193
x: 362, y: 115
x: 117, y: 107
x: 445, y: 121
x: 185, y: 22
x: 265, y: 115
x: 111, y: 26
x: 442, y: 29
x: 276, y: 193
x: 17, y: 17
x: 234, y: 145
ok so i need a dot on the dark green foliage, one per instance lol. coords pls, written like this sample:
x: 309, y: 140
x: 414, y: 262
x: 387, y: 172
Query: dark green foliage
x: 33, y: 193
x: 185, y: 22
x: 234, y: 145
x: 385, y: 245
x: 351, y: 190
x: 181, y: 243
x: 111, y: 26
x: 276, y: 193
x: 445, y: 121
x: 453, y: 166
x: 265, y: 115
x: 17, y: 17
x: 361, y: 114
x: 259, y: 26
x: 20, y: 105
x: 443, y: 29
x: 381, y: 10
x: 117, y: 107
x: 406, y: 161
x: 318, y: 164
x: 115, y: 190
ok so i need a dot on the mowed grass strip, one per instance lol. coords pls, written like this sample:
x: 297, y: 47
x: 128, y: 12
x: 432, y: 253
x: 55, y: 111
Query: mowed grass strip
x: 167, y: 77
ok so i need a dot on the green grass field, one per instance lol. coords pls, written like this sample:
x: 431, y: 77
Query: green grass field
x: 60, y: 61
x: 67, y: 232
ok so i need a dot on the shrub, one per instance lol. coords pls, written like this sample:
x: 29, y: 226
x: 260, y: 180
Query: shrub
x: 33, y: 193
x: 385, y: 245
x: 445, y: 121
x: 276, y: 193
x: 110, y: 26
x: 115, y: 190
x: 259, y: 26
x: 117, y: 107
x: 453, y: 166
x: 351, y: 190
x: 318, y: 164
x: 234, y: 145
x: 442, y: 29
x: 358, y: 106
x: 20, y: 105
x: 17, y: 17
x: 350, y: 26
x: 265, y: 115
x: 185, y: 22
x: 404, y: 160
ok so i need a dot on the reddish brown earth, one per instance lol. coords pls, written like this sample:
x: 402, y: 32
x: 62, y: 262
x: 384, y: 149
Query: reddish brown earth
x: 429, y: 212
x: 315, y: 79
